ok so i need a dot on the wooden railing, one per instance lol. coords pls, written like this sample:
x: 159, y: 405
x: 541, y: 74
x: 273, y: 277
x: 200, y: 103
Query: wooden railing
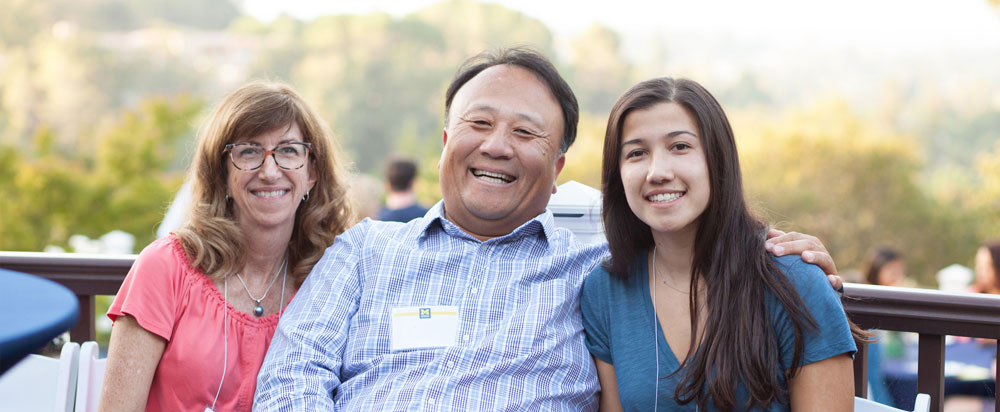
x: 932, y: 314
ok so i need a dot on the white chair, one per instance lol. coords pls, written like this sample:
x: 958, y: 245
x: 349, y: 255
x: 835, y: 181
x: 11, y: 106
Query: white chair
x: 41, y: 383
x: 921, y: 404
x: 88, y: 387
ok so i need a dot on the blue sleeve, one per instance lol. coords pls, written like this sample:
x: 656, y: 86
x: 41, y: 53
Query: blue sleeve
x: 302, y: 368
x: 596, y: 315
x: 832, y: 335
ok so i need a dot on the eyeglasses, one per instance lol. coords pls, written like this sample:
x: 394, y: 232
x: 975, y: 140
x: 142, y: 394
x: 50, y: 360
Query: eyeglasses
x: 250, y: 156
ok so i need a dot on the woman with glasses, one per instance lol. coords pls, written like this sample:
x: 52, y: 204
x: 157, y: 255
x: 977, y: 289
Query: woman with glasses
x: 195, y: 315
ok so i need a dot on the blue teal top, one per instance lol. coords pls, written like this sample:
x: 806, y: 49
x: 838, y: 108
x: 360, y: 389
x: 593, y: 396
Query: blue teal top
x: 619, y: 322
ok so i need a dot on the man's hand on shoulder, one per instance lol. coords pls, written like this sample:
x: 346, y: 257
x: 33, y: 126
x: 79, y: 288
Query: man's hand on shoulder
x: 810, y: 247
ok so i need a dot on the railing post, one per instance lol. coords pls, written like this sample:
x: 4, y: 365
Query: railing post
x: 930, y: 369
x: 84, y: 329
x: 861, y: 371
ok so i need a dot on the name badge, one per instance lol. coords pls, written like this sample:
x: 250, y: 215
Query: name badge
x: 423, y: 327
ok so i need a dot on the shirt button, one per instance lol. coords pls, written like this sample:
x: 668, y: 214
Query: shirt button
x: 474, y: 290
x: 465, y: 338
x: 451, y: 364
x: 430, y: 401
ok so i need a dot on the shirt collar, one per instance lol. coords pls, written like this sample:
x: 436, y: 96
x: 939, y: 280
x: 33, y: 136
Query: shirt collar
x: 544, y: 223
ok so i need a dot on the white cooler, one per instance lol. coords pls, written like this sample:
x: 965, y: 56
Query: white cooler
x: 577, y: 207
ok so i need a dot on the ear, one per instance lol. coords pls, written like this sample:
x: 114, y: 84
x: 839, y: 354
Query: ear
x: 560, y: 162
x: 312, y: 176
x: 444, y: 143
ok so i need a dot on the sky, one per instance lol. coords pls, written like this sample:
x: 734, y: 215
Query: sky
x: 898, y: 25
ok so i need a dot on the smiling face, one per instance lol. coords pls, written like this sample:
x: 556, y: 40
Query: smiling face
x: 663, y: 168
x: 501, y: 151
x: 267, y: 197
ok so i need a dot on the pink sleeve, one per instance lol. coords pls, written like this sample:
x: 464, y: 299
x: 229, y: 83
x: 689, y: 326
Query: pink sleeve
x: 152, y: 290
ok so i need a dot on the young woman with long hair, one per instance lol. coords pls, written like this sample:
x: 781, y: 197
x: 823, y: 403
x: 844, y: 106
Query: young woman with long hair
x: 691, y: 312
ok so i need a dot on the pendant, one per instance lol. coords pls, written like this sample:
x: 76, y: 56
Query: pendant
x: 259, y: 310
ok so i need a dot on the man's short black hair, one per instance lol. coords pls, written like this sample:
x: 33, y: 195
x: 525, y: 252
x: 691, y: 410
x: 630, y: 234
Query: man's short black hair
x: 400, y: 172
x: 532, y: 61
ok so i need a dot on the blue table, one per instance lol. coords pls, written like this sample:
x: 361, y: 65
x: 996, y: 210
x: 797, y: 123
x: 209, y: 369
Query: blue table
x: 33, y: 311
x: 967, y: 366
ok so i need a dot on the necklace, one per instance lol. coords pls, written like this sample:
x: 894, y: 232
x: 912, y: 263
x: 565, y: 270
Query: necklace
x: 259, y: 310
x: 664, y: 280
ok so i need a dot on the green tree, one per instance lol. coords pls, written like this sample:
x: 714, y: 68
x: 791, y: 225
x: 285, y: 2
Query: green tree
x: 50, y: 195
x: 133, y: 159
x: 598, y: 73
x: 134, y: 14
x: 470, y: 27
x: 833, y: 174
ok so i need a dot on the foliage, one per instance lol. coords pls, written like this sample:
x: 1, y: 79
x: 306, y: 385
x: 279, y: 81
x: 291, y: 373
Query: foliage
x: 379, y: 79
x: 830, y: 173
x: 599, y: 73
x: 125, y: 186
x: 95, y: 133
x: 133, y: 14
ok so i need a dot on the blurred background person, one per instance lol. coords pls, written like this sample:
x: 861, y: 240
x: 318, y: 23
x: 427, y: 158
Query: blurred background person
x: 884, y: 266
x: 988, y: 281
x: 987, y: 268
x: 365, y: 192
x: 400, y: 200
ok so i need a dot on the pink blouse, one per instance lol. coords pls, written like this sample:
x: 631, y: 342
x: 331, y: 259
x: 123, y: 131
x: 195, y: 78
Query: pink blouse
x: 179, y: 303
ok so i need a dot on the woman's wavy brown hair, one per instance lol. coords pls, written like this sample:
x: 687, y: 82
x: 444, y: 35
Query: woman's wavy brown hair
x: 210, y: 236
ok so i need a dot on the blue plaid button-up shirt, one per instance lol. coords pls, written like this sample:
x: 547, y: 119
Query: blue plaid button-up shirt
x: 519, y: 344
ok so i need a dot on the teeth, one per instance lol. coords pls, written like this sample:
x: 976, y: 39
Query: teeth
x: 493, y: 177
x: 272, y: 193
x: 665, y: 197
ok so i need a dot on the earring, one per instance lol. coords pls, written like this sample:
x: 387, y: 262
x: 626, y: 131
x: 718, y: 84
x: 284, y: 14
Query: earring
x: 305, y: 197
x: 228, y: 198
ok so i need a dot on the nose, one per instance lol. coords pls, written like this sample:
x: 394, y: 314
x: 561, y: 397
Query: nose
x: 269, y: 170
x: 497, y: 144
x: 661, y: 169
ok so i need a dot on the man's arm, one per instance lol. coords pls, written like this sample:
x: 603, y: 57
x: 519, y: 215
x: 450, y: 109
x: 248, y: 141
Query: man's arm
x: 810, y: 247
x: 302, y: 368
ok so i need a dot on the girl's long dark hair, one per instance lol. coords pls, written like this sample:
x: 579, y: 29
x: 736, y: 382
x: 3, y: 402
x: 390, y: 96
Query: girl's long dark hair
x: 738, y: 343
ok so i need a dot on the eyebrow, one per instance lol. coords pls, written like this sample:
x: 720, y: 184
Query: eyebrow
x: 278, y: 144
x: 668, y: 135
x: 534, y: 120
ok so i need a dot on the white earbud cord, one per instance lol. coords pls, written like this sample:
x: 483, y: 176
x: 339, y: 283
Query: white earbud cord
x: 225, y: 335
x: 656, y: 340
x: 281, y: 304
x: 225, y: 327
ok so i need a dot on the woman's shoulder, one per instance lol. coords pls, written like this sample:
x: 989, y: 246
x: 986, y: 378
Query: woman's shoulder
x: 166, y: 258
x: 597, y: 279
x: 167, y: 248
x: 602, y: 281
x: 801, y: 274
